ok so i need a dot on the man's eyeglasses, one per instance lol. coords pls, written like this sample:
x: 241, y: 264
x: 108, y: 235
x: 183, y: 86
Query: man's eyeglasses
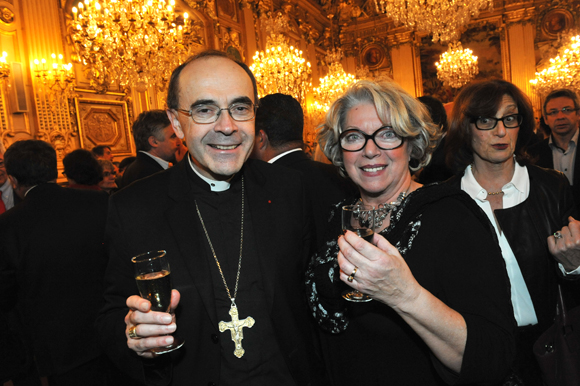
x: 108, y: 174
x: 385, y: 138
x: 564, y: 110
x: 239, y: 112
x: 489, y: 123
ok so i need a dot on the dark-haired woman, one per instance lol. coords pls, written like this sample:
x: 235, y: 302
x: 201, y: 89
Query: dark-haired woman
x: 529, y: 207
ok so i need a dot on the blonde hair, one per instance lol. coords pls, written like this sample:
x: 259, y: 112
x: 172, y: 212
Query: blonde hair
x: 408, y: 117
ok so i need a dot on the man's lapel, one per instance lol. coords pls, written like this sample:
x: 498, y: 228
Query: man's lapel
x: 262, y: 202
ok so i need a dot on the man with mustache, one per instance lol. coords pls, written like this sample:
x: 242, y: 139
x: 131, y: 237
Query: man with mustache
x: 237, y: 235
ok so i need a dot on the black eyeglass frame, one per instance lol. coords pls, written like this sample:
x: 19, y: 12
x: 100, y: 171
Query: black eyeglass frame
x: 520, y: 119
x: 563, y: 110
x: 219, y: 113
x: 369, y: 136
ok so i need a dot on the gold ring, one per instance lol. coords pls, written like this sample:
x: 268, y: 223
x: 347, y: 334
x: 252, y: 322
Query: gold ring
x: 558, y: 235
x: 351, y: 277
x: 133, y: 333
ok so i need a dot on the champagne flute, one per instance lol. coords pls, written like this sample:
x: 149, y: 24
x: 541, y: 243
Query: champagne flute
x: 153, y: 278
x: 360, y: 220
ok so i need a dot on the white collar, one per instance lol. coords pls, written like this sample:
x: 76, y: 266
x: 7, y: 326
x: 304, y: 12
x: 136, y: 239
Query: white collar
x: 215, y: 185
x: 283, y: 154
x: 520, y: 181
x: 164, y: 164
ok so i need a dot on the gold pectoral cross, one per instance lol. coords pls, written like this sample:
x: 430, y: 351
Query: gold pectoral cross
x: 235, y: 327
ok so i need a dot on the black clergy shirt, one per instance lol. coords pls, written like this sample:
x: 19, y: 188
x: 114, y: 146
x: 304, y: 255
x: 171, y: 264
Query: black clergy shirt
x: 262, y: 362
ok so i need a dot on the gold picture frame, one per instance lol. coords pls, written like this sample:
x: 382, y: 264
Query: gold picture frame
x: 373, y: 56
x: 104, y: 122
x: 556, y: 22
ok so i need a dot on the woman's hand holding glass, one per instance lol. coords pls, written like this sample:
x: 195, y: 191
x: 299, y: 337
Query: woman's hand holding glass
x: 382, y: 273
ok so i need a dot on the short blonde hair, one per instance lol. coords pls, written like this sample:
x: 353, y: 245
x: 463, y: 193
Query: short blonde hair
x: 408, y: 117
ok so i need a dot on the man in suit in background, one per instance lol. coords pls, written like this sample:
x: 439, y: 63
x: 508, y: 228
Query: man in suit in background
x: 560, y: 150
x: 279, y: 140
x: 237, y: 236
x: 156, y: 144
x: 52, y: 263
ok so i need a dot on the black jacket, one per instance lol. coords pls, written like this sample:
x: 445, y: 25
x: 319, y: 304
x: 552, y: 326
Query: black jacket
x: 527, y: 227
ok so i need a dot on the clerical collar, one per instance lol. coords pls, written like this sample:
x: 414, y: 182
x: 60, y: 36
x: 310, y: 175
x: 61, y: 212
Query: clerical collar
x: 215, y: 186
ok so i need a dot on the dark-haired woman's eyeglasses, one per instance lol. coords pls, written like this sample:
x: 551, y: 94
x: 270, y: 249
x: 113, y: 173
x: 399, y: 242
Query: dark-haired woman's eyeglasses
x: 489, y: 123
x: 385, y: 138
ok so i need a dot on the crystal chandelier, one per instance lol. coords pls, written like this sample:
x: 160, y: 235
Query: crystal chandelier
x: 281, y: 68
x: 564, y: 69
x: 442, y: 18
x: 457, y: 66
x: 130, y: 43
x: 332, y: 85
x: 56, y: 80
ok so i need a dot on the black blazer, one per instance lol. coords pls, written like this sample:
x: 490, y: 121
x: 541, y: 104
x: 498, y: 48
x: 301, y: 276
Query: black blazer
x: 142, y: 167
x: 52, y: 262
x: 159, y: 213
x: 324, y: 186
x: 545, y: 159
x: 527, y: 227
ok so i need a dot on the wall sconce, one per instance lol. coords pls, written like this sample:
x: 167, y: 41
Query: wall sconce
x: 4, y: 70
x: 57, y: 79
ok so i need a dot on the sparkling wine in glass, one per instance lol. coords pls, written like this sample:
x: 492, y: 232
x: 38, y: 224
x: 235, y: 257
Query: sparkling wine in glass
x: 153, y: 278
x: 359, y: 219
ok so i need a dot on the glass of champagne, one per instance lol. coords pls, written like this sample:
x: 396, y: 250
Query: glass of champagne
x: 359, y: 219
x: 153, y: 278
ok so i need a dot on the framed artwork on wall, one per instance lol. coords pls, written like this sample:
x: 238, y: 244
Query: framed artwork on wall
x: 555, y: 22
x: 373, y: 56
x: 104, y: 122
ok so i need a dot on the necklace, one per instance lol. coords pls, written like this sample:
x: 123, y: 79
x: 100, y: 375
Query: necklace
x: 383, y: 210
x: 488, y: 193
x: 235, y: 325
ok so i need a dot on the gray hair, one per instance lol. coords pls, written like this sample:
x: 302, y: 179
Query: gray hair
x: 409, y: 118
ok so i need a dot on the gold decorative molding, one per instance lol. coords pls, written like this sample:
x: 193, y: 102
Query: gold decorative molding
x: 104, y: 122
x: 6, y: 15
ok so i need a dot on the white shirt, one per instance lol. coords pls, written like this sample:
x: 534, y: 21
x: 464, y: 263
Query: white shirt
x: 283, y: 154
x: 7, y: 194
x: 515, y: 192
x: 164, y: 164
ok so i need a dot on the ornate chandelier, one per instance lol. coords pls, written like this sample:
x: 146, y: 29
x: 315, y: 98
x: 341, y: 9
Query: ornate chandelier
x: 457, y: 66
x: 131, y: 43
x: 564, y: 69
x: 333, y: 84
x: 442, y: 18
x: 56, y: 80
x: 281, y: 68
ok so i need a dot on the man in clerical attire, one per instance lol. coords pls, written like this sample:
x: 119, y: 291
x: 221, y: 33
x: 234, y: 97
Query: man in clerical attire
x: 236, y: 232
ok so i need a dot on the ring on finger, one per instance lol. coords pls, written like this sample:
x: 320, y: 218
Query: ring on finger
x: 558, y: 235
x: 350, y: 278
x: 133, y: 333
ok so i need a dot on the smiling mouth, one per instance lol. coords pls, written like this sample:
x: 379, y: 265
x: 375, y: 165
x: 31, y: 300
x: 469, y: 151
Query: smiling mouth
x: 224, y: 147
x: 373, y: 169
